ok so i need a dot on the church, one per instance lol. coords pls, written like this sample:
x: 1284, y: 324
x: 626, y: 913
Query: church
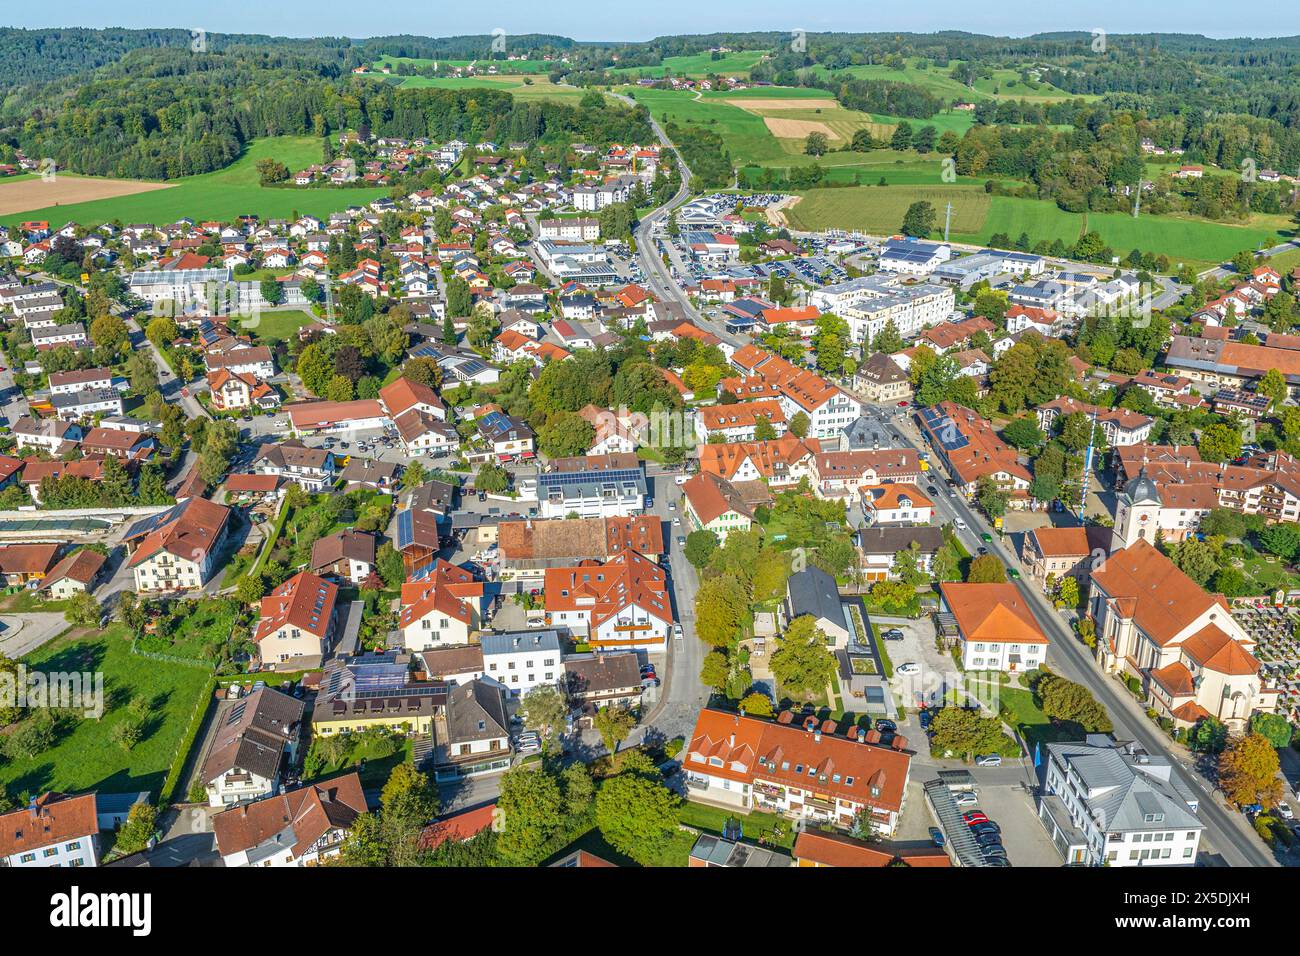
x: 1156, y: 624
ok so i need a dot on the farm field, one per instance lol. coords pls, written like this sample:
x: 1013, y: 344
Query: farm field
x: 86, y: 757
x: 502, y: 66
x: 697, y: 64
x: 521, y: 86
x: 939, y: 81
x: 977, y: 216
x: 223, y: 194
x: 21, y: 194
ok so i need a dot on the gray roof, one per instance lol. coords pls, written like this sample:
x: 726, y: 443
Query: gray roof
x: 518, y: 641
x: 475, y: 711
x: 813, y: 591
x: 891, y: 540
x: 1130, y: 790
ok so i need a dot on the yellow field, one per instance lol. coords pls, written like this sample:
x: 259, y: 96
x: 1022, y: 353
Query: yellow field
x: 65, y: 189
x: 791, y: 119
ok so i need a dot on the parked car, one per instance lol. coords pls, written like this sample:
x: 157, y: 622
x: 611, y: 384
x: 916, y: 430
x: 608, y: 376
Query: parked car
x: 893, y: 634
x: 975, y: 816
x: 994, y: 851
x: 989, y: 760
x: 908, y: 669
x: 1285, y: 812
x: 936, y: 835
x: 988, y: 839
x: 884, y: 725
x: 986, y: 827
x: 677, y: 632
x: 959, y: 524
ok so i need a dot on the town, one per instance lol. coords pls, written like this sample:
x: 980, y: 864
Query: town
x: 543, y: 479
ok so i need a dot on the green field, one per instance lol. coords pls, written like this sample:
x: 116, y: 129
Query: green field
x: 977, y: 216
x: 697, y: 64
x: 502, y: 66
x: 85, y: 756
x: 271, y: 327
x: 222, y: 195
x: 520, y: 86
x: 940, y: 82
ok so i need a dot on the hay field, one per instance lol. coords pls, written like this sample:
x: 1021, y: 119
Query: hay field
x: 65, y: 189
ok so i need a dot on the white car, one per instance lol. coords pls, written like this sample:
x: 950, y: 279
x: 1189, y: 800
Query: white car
x: 988, y: 760
x: 967, y: 798
x: 908, y: 669
x: 681, y: 479
x: 677, y: 632
x: 1285, y: 811
x: 960, y: 524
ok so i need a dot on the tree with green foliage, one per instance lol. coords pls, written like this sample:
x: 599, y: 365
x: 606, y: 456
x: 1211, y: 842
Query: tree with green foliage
x: 802, y: 662
x: 1219, y: 443
x: 1274, y: 728
x: 140, y: 827
x: 637, y: 814
x: 409, y: 802
x: 965, y: 733
x: 544, y: 710
x: 700, y: 546
x: 530, y: 809
x: 919, y: 220
x: 1063, y: 699
x: 721, y: 604
x: 986, y: 569
x: 391, y: 566
x: 615, y: 725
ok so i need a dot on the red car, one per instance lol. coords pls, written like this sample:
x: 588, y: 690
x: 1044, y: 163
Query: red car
x: 974, y: 817
x: 903, y: 404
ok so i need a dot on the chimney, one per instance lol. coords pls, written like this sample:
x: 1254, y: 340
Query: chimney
x: 733, y: 740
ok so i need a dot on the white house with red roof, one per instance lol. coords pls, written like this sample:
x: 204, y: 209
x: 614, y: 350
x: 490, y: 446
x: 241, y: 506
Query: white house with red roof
x: 296, y: 628
x: 622, y: 604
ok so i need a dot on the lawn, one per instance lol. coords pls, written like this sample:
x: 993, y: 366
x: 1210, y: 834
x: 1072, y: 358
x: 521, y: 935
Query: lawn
x: 85, y: 757
x: 1004, y: 84
x: 738, y: 63
x: 270, y: 327
x: 754, y: 825
x: 223, y: 195
x: 322, y: 517
x: 1266, y: 574
x: 976, y: 216
x: 1019, y: 710
x: 524, y: 87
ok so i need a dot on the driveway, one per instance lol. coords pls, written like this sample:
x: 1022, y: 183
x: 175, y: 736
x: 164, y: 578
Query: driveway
x: 23, y: 633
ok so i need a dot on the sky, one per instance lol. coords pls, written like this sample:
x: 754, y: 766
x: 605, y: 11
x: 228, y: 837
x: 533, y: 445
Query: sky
x: 603, y: 20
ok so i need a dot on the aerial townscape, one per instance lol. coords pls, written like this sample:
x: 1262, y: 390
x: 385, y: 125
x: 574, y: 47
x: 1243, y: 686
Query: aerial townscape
x: 745, y: 449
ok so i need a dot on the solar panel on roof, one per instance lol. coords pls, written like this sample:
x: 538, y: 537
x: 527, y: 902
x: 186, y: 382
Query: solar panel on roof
x: 405, y: 529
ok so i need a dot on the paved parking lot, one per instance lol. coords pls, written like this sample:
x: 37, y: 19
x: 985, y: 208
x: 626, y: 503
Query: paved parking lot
x: 939, y: 676
x: 1012, y: 809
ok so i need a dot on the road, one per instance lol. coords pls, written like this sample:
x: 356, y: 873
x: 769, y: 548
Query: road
x: 1224, y: 271
x: 1226, y: 831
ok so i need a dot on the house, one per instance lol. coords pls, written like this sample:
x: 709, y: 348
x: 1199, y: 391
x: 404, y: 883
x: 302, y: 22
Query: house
x: 242, y: 358
x: 252, y: 737
x: 330, y: 417
x: 713, y: 504
x: 75, y: 574
x: 995, y: 625
x: 1108, y: 804
x: 441, y: 607
x: 1157, y: 625
x: 371, y: 474
x: 971, y: 449
x: 780, y: 463
x: 801, y: 769
x: 297, y: 625
x: 459, y: 826
x: 739, y: 422
x: 300, y: 828
x: 841, y: 474
x: 879, y: 547
x: 881, y: 380
x: 896, y: 503
x: 813, y: 592
x: 622, y: 604
x: 62, y: 383
x: 347, y: 555
x: 127, y: 445
x: 507, y: 436
x: 53, y: 830
x: 403, y: 394
x: 233, y: 391
x: 423, y: 434
x: 592, y: 486
x: 375, y: 692
x: 23, y: 564
x: 473, y: 736
x: 73, y: 406
x: 814, y: 848
x: 529, y: 546
x: 520, y: 660
x: 310, y: 468
x: 710, y: 850
x: 596, y: 681
x: 1058, y: 552
x: 613, y: 433
x: 1121, y: 426
x: 52, y: 435
x: 452, y: 664
x: 177, y: 548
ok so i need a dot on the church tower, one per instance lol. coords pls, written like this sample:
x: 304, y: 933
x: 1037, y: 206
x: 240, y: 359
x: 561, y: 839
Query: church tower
x: 1137, y: 512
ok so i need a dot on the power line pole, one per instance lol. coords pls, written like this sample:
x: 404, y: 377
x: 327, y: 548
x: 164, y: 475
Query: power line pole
x: 947, y: 221
x: 1137, y: 199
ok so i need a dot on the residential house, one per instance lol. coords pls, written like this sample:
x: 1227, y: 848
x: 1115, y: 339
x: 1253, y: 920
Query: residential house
x: 177, y: 548
x: 520, y: 660
x: 813, y: 592
x: 347, y: 555
x: 251, y: 739
x: 302, y: 827
x: 996, y: 627
x: 53, y: 830
x: 297, y: 625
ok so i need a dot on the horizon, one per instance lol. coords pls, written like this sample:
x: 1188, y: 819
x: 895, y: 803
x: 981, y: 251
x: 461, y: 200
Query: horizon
x: 1015, y: 20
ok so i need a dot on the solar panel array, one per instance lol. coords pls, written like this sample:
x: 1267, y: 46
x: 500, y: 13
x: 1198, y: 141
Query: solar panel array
x: 944, y: 430
x: 405, y: 529
x: 153, y: 522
